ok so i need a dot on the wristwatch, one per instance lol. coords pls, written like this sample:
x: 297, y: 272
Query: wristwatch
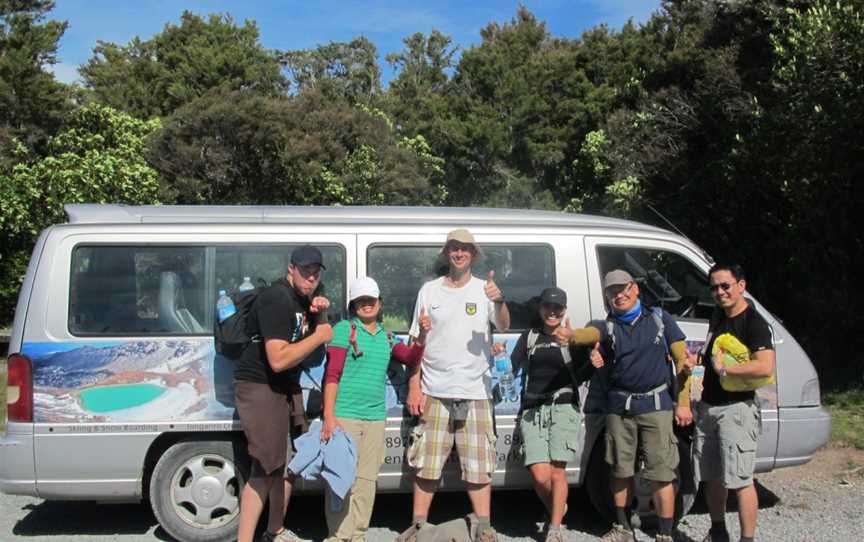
x: 722, y: 373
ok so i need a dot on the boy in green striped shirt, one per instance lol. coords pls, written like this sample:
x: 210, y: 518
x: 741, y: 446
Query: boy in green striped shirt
x: 355, y: 399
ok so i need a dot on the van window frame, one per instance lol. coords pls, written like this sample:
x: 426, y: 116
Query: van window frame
x: 623, y: 244
x: 209, y: 250
x: 439, y: 246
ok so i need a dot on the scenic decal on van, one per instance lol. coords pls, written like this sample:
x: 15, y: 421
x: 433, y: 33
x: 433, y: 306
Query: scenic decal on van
x: 184, y: 380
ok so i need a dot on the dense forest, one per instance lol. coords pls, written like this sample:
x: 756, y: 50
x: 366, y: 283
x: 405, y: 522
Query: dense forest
x: 740, y: 121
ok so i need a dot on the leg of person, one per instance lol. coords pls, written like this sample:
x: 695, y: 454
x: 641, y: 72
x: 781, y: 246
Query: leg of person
x: 739, y: 434
x: 541, y: 474
x: 564, y: 438
x: 559, y: 493
x: 475, y: 444
x: 661, y: 459
x: 621, y: 443
x: 436, y: 442
x: 255, y: 492
x: 535, y: 445
x: 368, y: 467
x: 708, y: 460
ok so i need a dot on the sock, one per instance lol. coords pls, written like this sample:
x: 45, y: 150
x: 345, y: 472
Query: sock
x: 483, y: 523
x: 665, y: 527
x: 622, y: 517
x: 420, y: 520
x: 718, y: 526
x: 747, y: 539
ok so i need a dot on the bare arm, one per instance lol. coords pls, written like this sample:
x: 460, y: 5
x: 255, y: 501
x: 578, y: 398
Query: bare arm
x: 283, y: 355
x: 502, y: 316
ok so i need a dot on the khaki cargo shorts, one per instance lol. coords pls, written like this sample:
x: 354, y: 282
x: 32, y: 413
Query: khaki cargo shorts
x: 465, y: 423
x: 724, y: 446
x: 551, y: 433
x: 651, y: 433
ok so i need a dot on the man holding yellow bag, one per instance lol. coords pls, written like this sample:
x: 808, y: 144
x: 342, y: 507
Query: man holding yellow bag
x: 741, y: 354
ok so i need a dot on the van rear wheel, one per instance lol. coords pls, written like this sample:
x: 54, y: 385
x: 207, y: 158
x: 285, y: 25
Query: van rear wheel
x: 195, y: 491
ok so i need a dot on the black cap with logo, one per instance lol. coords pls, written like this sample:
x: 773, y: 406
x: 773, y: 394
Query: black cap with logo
x: 554, y: 296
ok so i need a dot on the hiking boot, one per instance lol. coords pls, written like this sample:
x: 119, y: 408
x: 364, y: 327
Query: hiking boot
x: 555, y: 534
x: 285, y: 535
x: 663, y: 538
x: 618, y: 534
x: 716, y: 537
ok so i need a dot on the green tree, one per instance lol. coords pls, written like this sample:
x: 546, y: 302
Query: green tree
x: 339, y: 70
x: 148, y: 78
x: 32, y: 103
x: 97, y: 158
x: 241, y: 147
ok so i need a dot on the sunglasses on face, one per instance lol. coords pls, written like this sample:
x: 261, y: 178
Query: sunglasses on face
x: 725, y: 286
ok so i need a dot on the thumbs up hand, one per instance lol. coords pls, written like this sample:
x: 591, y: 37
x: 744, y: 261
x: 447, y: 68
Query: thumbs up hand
x: 563, y: 333
x: 596, y: 356
x: 492, y: 290
x: 425, y: 325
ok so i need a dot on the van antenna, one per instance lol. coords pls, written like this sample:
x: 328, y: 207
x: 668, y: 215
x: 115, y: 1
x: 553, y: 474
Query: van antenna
x: 679, y: 232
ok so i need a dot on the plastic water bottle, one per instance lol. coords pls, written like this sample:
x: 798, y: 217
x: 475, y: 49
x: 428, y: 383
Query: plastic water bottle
x: 504, y: 371
x: 224, y: 306
x: 246, y: 285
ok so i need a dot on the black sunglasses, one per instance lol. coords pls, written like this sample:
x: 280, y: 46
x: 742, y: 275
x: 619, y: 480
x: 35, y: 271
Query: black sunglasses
x: 725, y: 286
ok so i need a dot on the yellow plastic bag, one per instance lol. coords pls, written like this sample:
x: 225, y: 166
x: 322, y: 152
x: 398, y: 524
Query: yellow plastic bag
x: 736, y: 353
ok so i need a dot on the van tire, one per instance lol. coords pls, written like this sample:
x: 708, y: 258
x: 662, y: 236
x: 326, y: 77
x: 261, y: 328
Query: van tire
x: 195, y: 491
x: 597, y: 484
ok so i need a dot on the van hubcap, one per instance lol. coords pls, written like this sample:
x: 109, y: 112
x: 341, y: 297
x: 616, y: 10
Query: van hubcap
x: 205, y: 491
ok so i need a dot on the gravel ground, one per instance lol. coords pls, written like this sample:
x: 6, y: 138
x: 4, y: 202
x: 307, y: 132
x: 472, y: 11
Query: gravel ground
x: 811, y: 503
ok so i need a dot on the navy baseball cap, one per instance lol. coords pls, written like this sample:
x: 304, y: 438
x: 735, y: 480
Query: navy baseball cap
x: 307, y: 255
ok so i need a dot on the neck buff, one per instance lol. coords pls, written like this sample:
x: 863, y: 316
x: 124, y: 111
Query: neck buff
x: 629, y: 316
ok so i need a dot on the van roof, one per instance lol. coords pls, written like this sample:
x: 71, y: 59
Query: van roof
x: 277, y: 214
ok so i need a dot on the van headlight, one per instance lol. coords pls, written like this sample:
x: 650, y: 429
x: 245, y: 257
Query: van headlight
x: 810, y: 393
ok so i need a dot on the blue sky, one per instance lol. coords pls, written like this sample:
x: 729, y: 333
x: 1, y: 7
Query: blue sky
x: 301, y: 24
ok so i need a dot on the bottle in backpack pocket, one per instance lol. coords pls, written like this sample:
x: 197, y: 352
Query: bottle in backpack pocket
x: 224, y: 306
x: 246, y: 285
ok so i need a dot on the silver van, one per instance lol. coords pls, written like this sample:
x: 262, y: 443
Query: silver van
x: 116, y: 393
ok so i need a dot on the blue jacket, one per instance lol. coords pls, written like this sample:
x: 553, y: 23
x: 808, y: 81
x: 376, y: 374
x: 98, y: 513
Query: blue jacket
x: 335, y: 460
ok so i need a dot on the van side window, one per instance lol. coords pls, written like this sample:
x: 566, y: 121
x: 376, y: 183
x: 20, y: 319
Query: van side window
x: 172, y: 290
x: 666, y: 279
x: 137, y: 290
x: 521, y: 271
x: 264, y: 264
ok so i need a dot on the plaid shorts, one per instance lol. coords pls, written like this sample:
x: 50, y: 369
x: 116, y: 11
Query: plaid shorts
x: 441, y: 426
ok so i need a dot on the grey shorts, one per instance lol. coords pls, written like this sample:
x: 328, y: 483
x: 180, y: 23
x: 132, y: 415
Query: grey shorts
x: 725, y: 443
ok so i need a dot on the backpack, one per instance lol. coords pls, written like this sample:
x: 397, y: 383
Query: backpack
x: 232, y: 335
x: 672, y: 384
x: 531, y: 346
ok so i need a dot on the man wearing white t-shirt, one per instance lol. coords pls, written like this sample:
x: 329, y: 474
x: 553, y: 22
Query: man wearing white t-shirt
x: 451, y: 392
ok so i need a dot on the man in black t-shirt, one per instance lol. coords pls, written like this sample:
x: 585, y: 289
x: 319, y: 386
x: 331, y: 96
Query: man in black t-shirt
x: 291, y: 322
x: 727, y: 422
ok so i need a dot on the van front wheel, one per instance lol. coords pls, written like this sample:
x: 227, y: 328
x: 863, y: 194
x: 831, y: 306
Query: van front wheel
x: 195, y: 491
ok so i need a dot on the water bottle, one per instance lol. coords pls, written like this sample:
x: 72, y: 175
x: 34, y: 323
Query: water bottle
x: 504, y: 371
x: 224, y: 306
x: 246, y: 285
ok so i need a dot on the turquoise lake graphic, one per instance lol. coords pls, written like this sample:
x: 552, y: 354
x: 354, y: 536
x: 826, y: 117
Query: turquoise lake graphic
x: 110, y: 398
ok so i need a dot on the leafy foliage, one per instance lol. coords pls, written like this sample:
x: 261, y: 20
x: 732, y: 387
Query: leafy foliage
x: 97, y: 158
x: 155, y: 77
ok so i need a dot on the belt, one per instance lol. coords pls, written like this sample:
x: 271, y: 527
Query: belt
x: 564, y: 396
x: 655, y: 392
